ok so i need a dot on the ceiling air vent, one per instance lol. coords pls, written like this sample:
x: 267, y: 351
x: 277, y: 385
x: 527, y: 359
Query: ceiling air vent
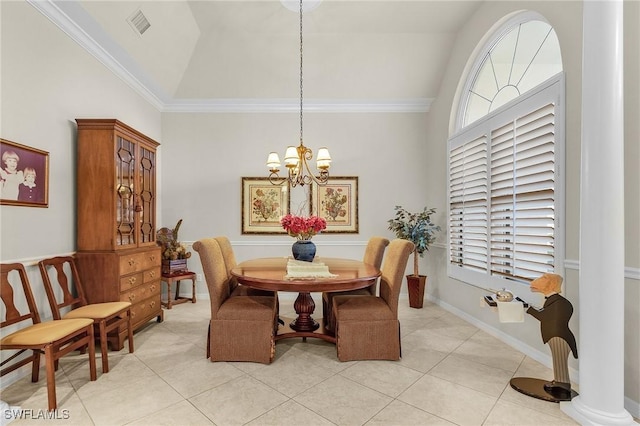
x: 139, y: 22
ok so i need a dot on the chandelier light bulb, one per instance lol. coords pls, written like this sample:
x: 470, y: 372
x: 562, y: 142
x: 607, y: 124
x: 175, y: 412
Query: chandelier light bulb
x: 273, y: 161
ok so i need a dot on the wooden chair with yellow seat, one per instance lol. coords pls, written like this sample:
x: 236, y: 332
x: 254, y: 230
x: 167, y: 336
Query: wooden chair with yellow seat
x: 54, y: 338
x: 107, y: 317
x: 367, y: 327
x: 373, y: 254
x: 242, y: 328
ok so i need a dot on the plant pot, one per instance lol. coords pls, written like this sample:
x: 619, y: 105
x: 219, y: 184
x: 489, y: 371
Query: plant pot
x: 416, y: 285
x: 170, y: 267
x: 304, y: 250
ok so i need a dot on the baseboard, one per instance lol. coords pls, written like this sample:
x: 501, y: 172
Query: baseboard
x: 542, y: 358
x: 633, y: 407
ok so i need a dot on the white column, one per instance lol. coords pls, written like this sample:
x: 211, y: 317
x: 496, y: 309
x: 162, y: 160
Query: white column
x: 601, y: 300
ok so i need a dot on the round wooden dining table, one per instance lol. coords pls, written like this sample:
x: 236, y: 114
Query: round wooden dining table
x: 270, y: 274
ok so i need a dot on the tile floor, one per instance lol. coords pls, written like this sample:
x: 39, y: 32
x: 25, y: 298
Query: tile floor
x: 451, y: 373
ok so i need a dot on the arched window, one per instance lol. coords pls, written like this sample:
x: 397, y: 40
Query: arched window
x: 505, y: 188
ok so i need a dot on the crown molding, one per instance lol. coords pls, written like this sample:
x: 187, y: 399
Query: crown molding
x: 420, y: 105
x: 68, y: 15
x: 73, y: 20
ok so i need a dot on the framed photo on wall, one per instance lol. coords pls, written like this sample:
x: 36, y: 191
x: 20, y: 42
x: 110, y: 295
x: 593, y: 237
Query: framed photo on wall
x: 263, y: 204
x: 24, y: 175
x: 337, y: 202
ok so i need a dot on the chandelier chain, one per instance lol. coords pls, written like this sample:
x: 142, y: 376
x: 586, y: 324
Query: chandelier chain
x: 297, y: 158
x: 300, y: 71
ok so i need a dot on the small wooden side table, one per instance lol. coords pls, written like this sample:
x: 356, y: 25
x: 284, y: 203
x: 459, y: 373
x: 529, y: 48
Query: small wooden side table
x: 176, y: 278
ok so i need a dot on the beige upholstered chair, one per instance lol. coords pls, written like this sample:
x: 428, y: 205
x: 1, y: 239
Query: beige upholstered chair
x: 373, y: 255
x: 229, y: 260
x: 242, y: 328
x: 367, y: 327
x: 236, y: 289
x: 54, y: 339
x: 108, y: 317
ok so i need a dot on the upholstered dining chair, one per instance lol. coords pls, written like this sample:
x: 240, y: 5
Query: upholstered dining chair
x: 230, y: 262
x: 373, y: 255
x: 235, y: 288
x: 54, y: 339
x: 107, y: 317
x: 367, y: 327
x: 242, y: 328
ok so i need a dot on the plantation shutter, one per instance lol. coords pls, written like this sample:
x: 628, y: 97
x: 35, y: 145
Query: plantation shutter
x: 506, y: 193
x: 502, y: 196
x: 468, y: 204
x: 522, y: 196
x: 503, y: 202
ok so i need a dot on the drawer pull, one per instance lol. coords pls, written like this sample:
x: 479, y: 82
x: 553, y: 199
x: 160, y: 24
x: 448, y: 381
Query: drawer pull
x: 132, y: 297
x: 152, y: 257
x: 153, y: 304
x: 132, y: 262
x: 152, y: 274
x: 133, y: 314
x: 132, y: 281
x: 153, y: 287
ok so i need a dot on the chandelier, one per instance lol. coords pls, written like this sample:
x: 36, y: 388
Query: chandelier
x: 297, y: 159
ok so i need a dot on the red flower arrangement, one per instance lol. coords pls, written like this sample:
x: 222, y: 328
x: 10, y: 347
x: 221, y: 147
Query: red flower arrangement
x: 303, y: 228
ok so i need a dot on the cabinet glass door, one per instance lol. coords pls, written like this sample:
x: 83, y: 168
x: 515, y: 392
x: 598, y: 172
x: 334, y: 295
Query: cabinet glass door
x: 147, y: 196
x: 125, y: 191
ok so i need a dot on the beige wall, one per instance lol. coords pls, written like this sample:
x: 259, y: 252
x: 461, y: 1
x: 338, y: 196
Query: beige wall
x: 205, y: 156
x: 463, y: 298
x: 47, y: 80
x: 632, y: 200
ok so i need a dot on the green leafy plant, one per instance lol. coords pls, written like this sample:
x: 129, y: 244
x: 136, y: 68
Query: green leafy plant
x: 417, y: 228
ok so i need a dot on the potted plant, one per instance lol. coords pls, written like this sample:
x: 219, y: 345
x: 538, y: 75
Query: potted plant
x: 420, y: 230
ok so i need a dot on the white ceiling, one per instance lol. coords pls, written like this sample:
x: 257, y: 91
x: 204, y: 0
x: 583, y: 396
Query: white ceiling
x: 235, y: 51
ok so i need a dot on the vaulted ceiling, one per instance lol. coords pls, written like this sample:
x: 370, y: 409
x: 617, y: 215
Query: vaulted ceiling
x: 236, y: 51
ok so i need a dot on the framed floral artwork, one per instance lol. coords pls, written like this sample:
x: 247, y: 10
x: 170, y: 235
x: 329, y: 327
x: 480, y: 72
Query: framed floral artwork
x: 337, y: 202
x: 24, y: 175
x: 263, y: 204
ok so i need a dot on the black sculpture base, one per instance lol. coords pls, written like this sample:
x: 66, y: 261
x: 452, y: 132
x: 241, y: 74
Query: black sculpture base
x: 535, y: 388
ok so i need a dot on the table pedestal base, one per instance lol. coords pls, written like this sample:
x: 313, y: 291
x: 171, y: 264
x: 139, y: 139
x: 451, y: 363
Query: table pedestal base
x: 286, y: 332
x: 535, y: 388
x: 304, y: 306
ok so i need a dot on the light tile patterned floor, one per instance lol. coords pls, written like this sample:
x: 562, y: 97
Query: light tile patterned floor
x: 451, y: 373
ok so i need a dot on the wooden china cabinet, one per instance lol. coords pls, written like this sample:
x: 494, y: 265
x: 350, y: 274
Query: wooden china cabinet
x: 117, y: 255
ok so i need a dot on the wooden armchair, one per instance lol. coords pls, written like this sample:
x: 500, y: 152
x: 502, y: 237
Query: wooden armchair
x: 107, y: 317
x: 242, y: 328
x: 54, y: 339
x: 373, y: 255
x: 367, y: 327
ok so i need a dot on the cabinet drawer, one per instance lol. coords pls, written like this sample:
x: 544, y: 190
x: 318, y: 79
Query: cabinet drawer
x: 140, y: 312
x: 152, y: 275
x: 136, y: 262
x: 140, y: 293
x: 131, y: 281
